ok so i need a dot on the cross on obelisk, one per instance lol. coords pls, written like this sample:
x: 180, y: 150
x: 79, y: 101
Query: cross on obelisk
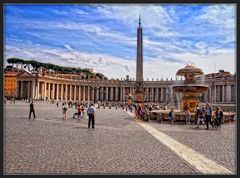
x: 139, y: 68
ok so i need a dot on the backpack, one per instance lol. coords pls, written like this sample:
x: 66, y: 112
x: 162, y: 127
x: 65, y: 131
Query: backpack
x: 170, y: 114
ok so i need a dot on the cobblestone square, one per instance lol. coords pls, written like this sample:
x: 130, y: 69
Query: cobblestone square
x: 117, y: 145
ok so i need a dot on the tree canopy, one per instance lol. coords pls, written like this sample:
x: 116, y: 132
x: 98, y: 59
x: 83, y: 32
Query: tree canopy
x: 52, y: 67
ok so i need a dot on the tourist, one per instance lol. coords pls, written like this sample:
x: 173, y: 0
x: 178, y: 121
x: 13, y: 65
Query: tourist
x: 197, y: 111
x: 91, y: 111
x: 57, y: 104
x: 218, y: 117
x: 208, y: 115
x: 187, y: 116
x: 201, y: 117
x: 32, y: 110
x: 171, y: 116
x: 79, y: 111
x: 64, y: 109
x: 82, y: 111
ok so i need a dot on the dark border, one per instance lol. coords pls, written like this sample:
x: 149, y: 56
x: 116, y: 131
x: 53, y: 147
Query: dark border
x: 238, y: 81
x: 123, y: 1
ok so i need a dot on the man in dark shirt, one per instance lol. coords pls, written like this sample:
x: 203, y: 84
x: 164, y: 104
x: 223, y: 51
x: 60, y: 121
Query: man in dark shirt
x: 32, y: 110
x: 91, y: 111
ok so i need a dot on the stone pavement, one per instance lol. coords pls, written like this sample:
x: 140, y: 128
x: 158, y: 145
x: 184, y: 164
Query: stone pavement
x: 117, y: 145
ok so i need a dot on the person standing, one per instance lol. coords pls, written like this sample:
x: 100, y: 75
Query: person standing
x: 219, y: 116
x: 209, y: 116
x: 79, y: 111
x: 57, y: 104
x: 201, y: 117
x: 91, y: 111
x: 32, y: 110
x: 82, y: 111
x: 197, y: 111
x: 187, y: 116
x: 171, y: 116
x: 64, y: 109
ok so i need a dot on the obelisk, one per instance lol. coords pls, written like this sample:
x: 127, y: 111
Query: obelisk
x: 139, y: 68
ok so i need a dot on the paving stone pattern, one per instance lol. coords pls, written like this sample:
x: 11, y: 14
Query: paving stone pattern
x: 117, y: 145
x: 218, y: 145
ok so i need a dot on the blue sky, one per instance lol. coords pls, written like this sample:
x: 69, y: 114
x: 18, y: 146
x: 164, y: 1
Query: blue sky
x: 103, y: 36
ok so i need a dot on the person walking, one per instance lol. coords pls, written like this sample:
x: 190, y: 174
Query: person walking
x: 219, y: 116
x: 187, y: 116
x: 91, y: 111
x: 171, y: 116
x: 79, y: 111
x: 82, y: 111
x: 201, y: 117
x: 197, y: 111
x: 57, y: 104
x: 32, y: 110
x: 64, y: 109
x: 208, y: 116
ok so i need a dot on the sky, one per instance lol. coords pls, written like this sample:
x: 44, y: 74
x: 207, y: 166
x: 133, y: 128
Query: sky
x: 103, y: 37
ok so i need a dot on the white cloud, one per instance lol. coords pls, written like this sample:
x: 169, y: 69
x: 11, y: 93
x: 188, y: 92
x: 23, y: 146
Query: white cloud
x: 223, y: 15
x: 114, y: 67
x: 152, y: 16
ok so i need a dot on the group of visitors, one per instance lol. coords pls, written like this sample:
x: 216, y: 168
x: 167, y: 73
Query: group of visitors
x: 205, y: 115
x: 91, y: 111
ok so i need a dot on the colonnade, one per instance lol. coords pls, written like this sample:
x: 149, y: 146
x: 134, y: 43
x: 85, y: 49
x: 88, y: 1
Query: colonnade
x: 222, y: 93
x: 107, y: 91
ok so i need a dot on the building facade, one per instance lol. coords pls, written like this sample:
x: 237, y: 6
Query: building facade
x: 222, y: 88
x: 10, y: 84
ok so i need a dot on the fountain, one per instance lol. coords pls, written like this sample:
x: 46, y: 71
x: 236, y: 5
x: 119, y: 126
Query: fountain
x: 190, y: 87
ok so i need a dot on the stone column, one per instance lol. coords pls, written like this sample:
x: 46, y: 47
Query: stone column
x: 97, y: 93
x: 209, y: 94
x: 116, y: 93
x: 53, y: 91
x: 124, y: 94
x: 223, y: 91
x: 66, y: 92
x: 215, y: 93
x: 157, y: 95
x: 88, y: 94
x: 111, y: 93
x: 41, y: 89
x: 102, y: 93
x: 162, y: 97
x: 106, y: 93
x: 79, y: 93
x: 21, y: 88
x: 147, y: 94
x: 121, y: 90
x: 93, y: 93
x: 153, y: 95
x: 70, y: 93
x: 33, y: 89
x: 36, y: 90
x: 228, y: 92
x: 61, y: 92
x: 28, y: 89
x: 44, y: 90
x: 84, y: 93
x: 57, y: 91
x: 49, y: 90
x: 75, y: 93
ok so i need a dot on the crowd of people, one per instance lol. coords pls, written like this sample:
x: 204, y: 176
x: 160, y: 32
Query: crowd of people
x: 204, y: 115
